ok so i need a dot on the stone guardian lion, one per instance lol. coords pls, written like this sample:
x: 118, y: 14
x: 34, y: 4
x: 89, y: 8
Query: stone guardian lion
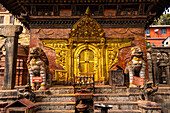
x: 136, y: 65
x: 37, y: 66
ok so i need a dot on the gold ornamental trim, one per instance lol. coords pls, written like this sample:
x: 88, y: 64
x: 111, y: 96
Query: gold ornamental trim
x: 86, y: 28
x: 40, y: 29
x: 128, y: 29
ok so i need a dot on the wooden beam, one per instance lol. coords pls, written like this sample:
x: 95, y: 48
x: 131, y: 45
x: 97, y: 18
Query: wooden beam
x: 9, y: 1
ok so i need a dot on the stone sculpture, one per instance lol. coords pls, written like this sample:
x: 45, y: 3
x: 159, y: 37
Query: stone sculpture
x: 27, y: 93
x: 37, y: 66
x: 136, y: 65
x: 148, y: 90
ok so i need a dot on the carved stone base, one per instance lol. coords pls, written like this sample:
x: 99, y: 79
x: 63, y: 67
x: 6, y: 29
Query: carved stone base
x: 149, y: 107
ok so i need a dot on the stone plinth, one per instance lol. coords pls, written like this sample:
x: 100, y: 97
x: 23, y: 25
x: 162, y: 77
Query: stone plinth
x: 11, y: 32
x: 149, y: 107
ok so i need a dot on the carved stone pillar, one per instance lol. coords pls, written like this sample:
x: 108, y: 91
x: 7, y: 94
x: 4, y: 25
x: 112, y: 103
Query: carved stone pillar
x: 11, y: 32
x: 168, y: 70
x: 154, y: 72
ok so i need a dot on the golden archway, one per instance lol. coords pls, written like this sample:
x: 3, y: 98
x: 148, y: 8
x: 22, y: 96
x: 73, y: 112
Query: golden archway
x: 90, y: 59
x: 88, y: 34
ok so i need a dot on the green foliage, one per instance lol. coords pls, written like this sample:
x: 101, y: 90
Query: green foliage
x: 148, y: 45
x: 162, y: 20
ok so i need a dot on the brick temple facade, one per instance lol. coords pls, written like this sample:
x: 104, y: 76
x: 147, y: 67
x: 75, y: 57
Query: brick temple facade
x: 85, y: 40
x: 120, y: 22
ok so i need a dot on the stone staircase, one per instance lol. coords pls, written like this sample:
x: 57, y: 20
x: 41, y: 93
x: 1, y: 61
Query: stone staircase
x: 61, y: 99
x: 118, y: 97
x: 56, y: 100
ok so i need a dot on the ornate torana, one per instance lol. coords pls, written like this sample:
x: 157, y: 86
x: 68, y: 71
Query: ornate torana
x: 87, y: 50
x: 87, y: 28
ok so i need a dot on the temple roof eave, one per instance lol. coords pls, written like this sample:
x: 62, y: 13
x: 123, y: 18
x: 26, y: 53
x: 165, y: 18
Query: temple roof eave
x: 17, y: 8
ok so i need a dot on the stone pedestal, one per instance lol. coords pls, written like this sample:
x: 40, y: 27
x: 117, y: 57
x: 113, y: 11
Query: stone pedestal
x: 149, y: 107
x: 11, y: 32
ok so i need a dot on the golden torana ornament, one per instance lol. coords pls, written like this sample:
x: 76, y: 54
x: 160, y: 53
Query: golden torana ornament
x: 87, y: 28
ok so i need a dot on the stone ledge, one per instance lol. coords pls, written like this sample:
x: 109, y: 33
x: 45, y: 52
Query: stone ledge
x: 56, y: 111
x: 148, y: 105
x: 55, y: 103
x: 57, y: 95
x: 116, y: 102
x: 119, y: 111
x: 115, y: 95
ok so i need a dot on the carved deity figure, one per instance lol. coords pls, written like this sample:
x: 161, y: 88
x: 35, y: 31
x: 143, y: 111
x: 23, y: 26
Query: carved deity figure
x: 37, y: 66
x: 148, y: 90
x: 136, y: 65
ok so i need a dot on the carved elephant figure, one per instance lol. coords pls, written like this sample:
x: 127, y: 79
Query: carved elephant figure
x: 136, y: 65
x: 37, y: 66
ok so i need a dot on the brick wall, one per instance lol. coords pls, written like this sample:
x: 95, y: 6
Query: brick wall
x: 65, y: 12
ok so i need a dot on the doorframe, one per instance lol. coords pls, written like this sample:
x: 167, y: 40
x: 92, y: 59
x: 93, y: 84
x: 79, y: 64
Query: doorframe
x: 97, y: 61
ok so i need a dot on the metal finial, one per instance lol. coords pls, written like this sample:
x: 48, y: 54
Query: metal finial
x: 87, y: 11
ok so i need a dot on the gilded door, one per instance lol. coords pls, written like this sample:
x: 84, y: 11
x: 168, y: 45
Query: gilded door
x: 86, y: 61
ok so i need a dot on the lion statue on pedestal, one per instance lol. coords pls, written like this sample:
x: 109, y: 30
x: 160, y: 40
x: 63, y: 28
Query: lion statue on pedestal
x: 38, y: 66
x: 136, y: 65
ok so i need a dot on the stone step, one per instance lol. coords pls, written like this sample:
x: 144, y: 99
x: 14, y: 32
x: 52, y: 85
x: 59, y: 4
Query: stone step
x: 119, y: 111
x: 56, y: 111
x: 8, y: 99
x: 55, y: 105
x: 4, y: 93
x: 97, y: 97
x: 99, y: 89
x: 116, y: 97
x: 120, y: 105
x: 56, y: 98
x: 69, y: 90
x: 110, y: 89
x: 162, y: 97
x: 62, y: 90
x: 164, y: 89
x: 43, y: 92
